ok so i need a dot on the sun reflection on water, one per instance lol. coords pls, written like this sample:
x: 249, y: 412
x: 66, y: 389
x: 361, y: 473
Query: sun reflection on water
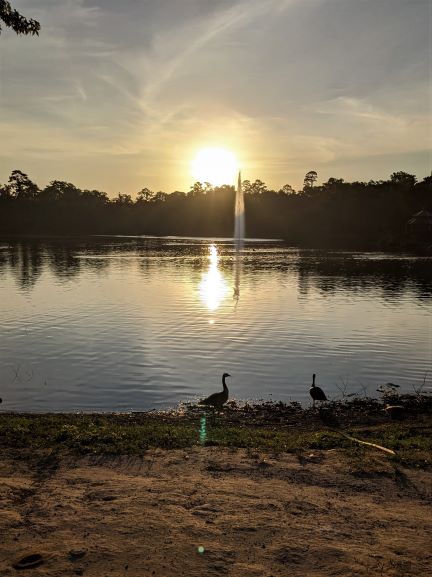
x: 213, y: 287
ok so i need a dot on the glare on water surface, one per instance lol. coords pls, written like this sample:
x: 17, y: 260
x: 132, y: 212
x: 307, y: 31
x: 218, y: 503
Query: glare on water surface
x: 213, y: 287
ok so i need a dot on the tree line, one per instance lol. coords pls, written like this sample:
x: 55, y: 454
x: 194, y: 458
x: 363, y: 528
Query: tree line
x: 334, y: 214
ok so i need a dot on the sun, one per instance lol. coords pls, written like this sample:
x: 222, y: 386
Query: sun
x: 215, y: 165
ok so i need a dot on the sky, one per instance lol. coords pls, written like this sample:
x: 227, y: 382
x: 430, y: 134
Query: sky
x: 118, y: 96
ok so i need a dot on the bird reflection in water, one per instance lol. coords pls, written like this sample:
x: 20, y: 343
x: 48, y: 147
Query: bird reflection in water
x: 213, y: 287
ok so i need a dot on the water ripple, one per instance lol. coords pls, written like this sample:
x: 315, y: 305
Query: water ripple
x: 123, y: 324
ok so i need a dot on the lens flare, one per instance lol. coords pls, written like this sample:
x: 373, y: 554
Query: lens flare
x: 203, y: 430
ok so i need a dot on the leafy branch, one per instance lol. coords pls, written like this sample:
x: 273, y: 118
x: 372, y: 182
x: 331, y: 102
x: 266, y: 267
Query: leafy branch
x: 13, y: 19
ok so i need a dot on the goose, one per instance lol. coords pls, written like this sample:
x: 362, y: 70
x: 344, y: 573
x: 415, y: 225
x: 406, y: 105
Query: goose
x: 316, y: 393
x: 217, y: 400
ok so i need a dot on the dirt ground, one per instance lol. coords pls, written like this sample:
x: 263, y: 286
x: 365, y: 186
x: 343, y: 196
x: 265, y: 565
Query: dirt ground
x: 212, y: 511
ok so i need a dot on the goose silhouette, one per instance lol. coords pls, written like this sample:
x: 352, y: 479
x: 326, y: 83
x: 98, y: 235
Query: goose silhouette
x: 316, y: 393
x: 217, y: 400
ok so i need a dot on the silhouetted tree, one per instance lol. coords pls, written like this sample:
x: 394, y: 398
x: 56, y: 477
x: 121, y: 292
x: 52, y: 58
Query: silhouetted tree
x: 256, y: 187
x: 246, y: 186
x: 333, y: 183
x: 403, y: 178
x: 310, y: 179
x: 208, y: 188
x: 94, y: 197
x: 13, y: 19
x: 21, y: 187
x: 145, y: 195
x: 160, y: 196
x: 286, y: 190
x: 123, y: 199
x: 425, y: 184
x: 177, y: 195
x: 60, y: 189
x: 5, y: 192
x: 197, y: 189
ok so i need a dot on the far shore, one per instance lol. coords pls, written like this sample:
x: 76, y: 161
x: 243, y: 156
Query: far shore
x: 396, y: 248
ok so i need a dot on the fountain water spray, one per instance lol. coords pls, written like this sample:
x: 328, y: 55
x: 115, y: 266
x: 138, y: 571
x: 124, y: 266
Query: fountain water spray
x: 239, y: 211
x: 239, y: 232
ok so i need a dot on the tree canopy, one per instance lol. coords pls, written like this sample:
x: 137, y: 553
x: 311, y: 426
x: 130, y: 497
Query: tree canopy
x: 13, y: 19
x: 334, y: 214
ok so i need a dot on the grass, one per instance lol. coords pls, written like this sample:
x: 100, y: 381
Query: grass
x: 134, y: 434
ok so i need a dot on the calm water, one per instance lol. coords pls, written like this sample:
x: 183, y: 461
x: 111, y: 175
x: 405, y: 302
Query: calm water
x: 140, y: 323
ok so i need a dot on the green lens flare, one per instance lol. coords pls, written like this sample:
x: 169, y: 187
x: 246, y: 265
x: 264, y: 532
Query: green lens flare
x: 203, y: 430
x: 201, y: 549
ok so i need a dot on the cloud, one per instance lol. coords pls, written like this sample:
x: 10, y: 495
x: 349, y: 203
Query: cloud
x: 136, y: 87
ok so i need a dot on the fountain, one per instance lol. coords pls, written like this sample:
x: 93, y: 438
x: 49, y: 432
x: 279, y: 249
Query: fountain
x: 239, y: 231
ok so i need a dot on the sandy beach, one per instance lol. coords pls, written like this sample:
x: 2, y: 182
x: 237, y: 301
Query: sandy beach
x: 207, y: 511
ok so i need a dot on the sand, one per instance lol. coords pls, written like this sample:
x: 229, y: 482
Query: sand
x: 213, y: 511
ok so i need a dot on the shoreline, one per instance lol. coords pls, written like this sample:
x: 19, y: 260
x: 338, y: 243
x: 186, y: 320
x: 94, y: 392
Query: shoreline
x: 398, y: 248
x: 275, y: 426
x: 268, y: 490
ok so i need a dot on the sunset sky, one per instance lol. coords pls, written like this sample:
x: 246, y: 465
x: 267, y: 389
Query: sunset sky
x: 119, y: 96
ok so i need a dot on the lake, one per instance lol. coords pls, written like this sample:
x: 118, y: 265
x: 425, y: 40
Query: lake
x: 136, y: 323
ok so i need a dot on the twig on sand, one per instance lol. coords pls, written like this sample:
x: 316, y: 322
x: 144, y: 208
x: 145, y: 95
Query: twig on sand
x: 380, y: 447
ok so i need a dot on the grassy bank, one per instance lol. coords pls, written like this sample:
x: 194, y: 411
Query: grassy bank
x: 273, y: 427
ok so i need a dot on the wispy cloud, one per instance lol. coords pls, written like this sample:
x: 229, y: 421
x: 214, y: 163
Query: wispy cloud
x: 172, y: 53
x: 127, y: 91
